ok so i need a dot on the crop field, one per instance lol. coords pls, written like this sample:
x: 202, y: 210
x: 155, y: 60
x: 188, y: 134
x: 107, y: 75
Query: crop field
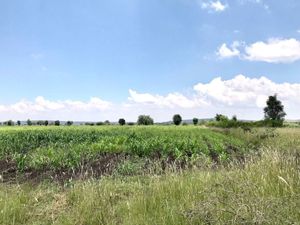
x: 34, y: 149
x: 149, y: 175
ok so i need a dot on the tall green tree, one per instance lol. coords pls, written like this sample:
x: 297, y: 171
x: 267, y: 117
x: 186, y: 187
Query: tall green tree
x: 274, y: 110
x: 177, y: 119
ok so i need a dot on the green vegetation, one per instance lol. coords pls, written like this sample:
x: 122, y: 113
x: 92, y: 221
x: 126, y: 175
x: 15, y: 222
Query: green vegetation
x: 195, y: 121
x: 122, y: 122
x: 177, y: 119
x: 67, y: 147
x: 145, y: 120
x: 274, y: 110
x: 263, y: 189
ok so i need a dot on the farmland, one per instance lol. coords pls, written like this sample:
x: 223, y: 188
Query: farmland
x: 36, y: 149
x: 149, y: 175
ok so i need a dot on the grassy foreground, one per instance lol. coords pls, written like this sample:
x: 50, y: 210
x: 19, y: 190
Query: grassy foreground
x: 264, y: 190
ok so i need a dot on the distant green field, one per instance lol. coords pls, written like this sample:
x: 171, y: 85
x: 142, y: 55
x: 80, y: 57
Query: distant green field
x: 67, y: 147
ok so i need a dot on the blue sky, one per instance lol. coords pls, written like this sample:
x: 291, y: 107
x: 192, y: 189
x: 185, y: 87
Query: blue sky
x: 77, y: 51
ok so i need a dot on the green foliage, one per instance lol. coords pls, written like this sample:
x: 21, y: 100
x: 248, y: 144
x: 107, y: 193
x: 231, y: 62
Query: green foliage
x: 69, y: 123
x: 177, y: 119
x: 145, y: 120
x: 9, y: 123
x: 57, y: 123
x: 264, y: 191
x: 66, y: 147
x: 220, y: 117
x: 274, y: 111
x: 195, y: 121
x: 234, y: 118
x: 29, y: 123
x: 122, y: 122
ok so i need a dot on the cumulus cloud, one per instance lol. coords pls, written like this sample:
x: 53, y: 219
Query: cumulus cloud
x: 242, y: 96
x: 172, y: 100
x: 272, y: 51
x: 225, y: 52
x: 216, y: 6
x: 245, y: 91
x: 42, y: 105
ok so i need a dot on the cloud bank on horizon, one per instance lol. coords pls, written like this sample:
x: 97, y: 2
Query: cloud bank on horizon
x: 237, y: 96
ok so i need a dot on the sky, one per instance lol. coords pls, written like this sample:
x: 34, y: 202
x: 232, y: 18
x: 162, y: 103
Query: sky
x: 97, y: 60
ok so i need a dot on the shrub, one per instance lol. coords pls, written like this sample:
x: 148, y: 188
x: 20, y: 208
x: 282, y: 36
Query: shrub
x: 56, y: 122
x: 145, y: 120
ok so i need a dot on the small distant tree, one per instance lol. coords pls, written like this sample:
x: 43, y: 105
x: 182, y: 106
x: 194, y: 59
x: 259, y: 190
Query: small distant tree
x: 220, y: 117
x: 57, y: 123
x: 19, y: 123
x: 234, y: 118
x: 195, y: 121
x: 122, y: 122
x: 9, y: 123
x: 177, y: 119
x: 69, y: 123
x: 145, y: 120
x: 274, y: 111
x: 40, y: 122
x: 29, y: 122
x: 106, y: 122
x: 46, y: 122
x: 99, y: 123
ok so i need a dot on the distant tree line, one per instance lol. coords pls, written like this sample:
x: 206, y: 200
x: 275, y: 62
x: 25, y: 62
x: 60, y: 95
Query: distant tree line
x: 274, y: 115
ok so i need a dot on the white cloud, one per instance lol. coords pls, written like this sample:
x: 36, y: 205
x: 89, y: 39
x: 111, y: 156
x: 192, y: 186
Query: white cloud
x: 273, y: 51
x: 216, y: 6
x: 42, y: 106
x: 226, y: 52
x: 242, y: 96
x: 172, y: 100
